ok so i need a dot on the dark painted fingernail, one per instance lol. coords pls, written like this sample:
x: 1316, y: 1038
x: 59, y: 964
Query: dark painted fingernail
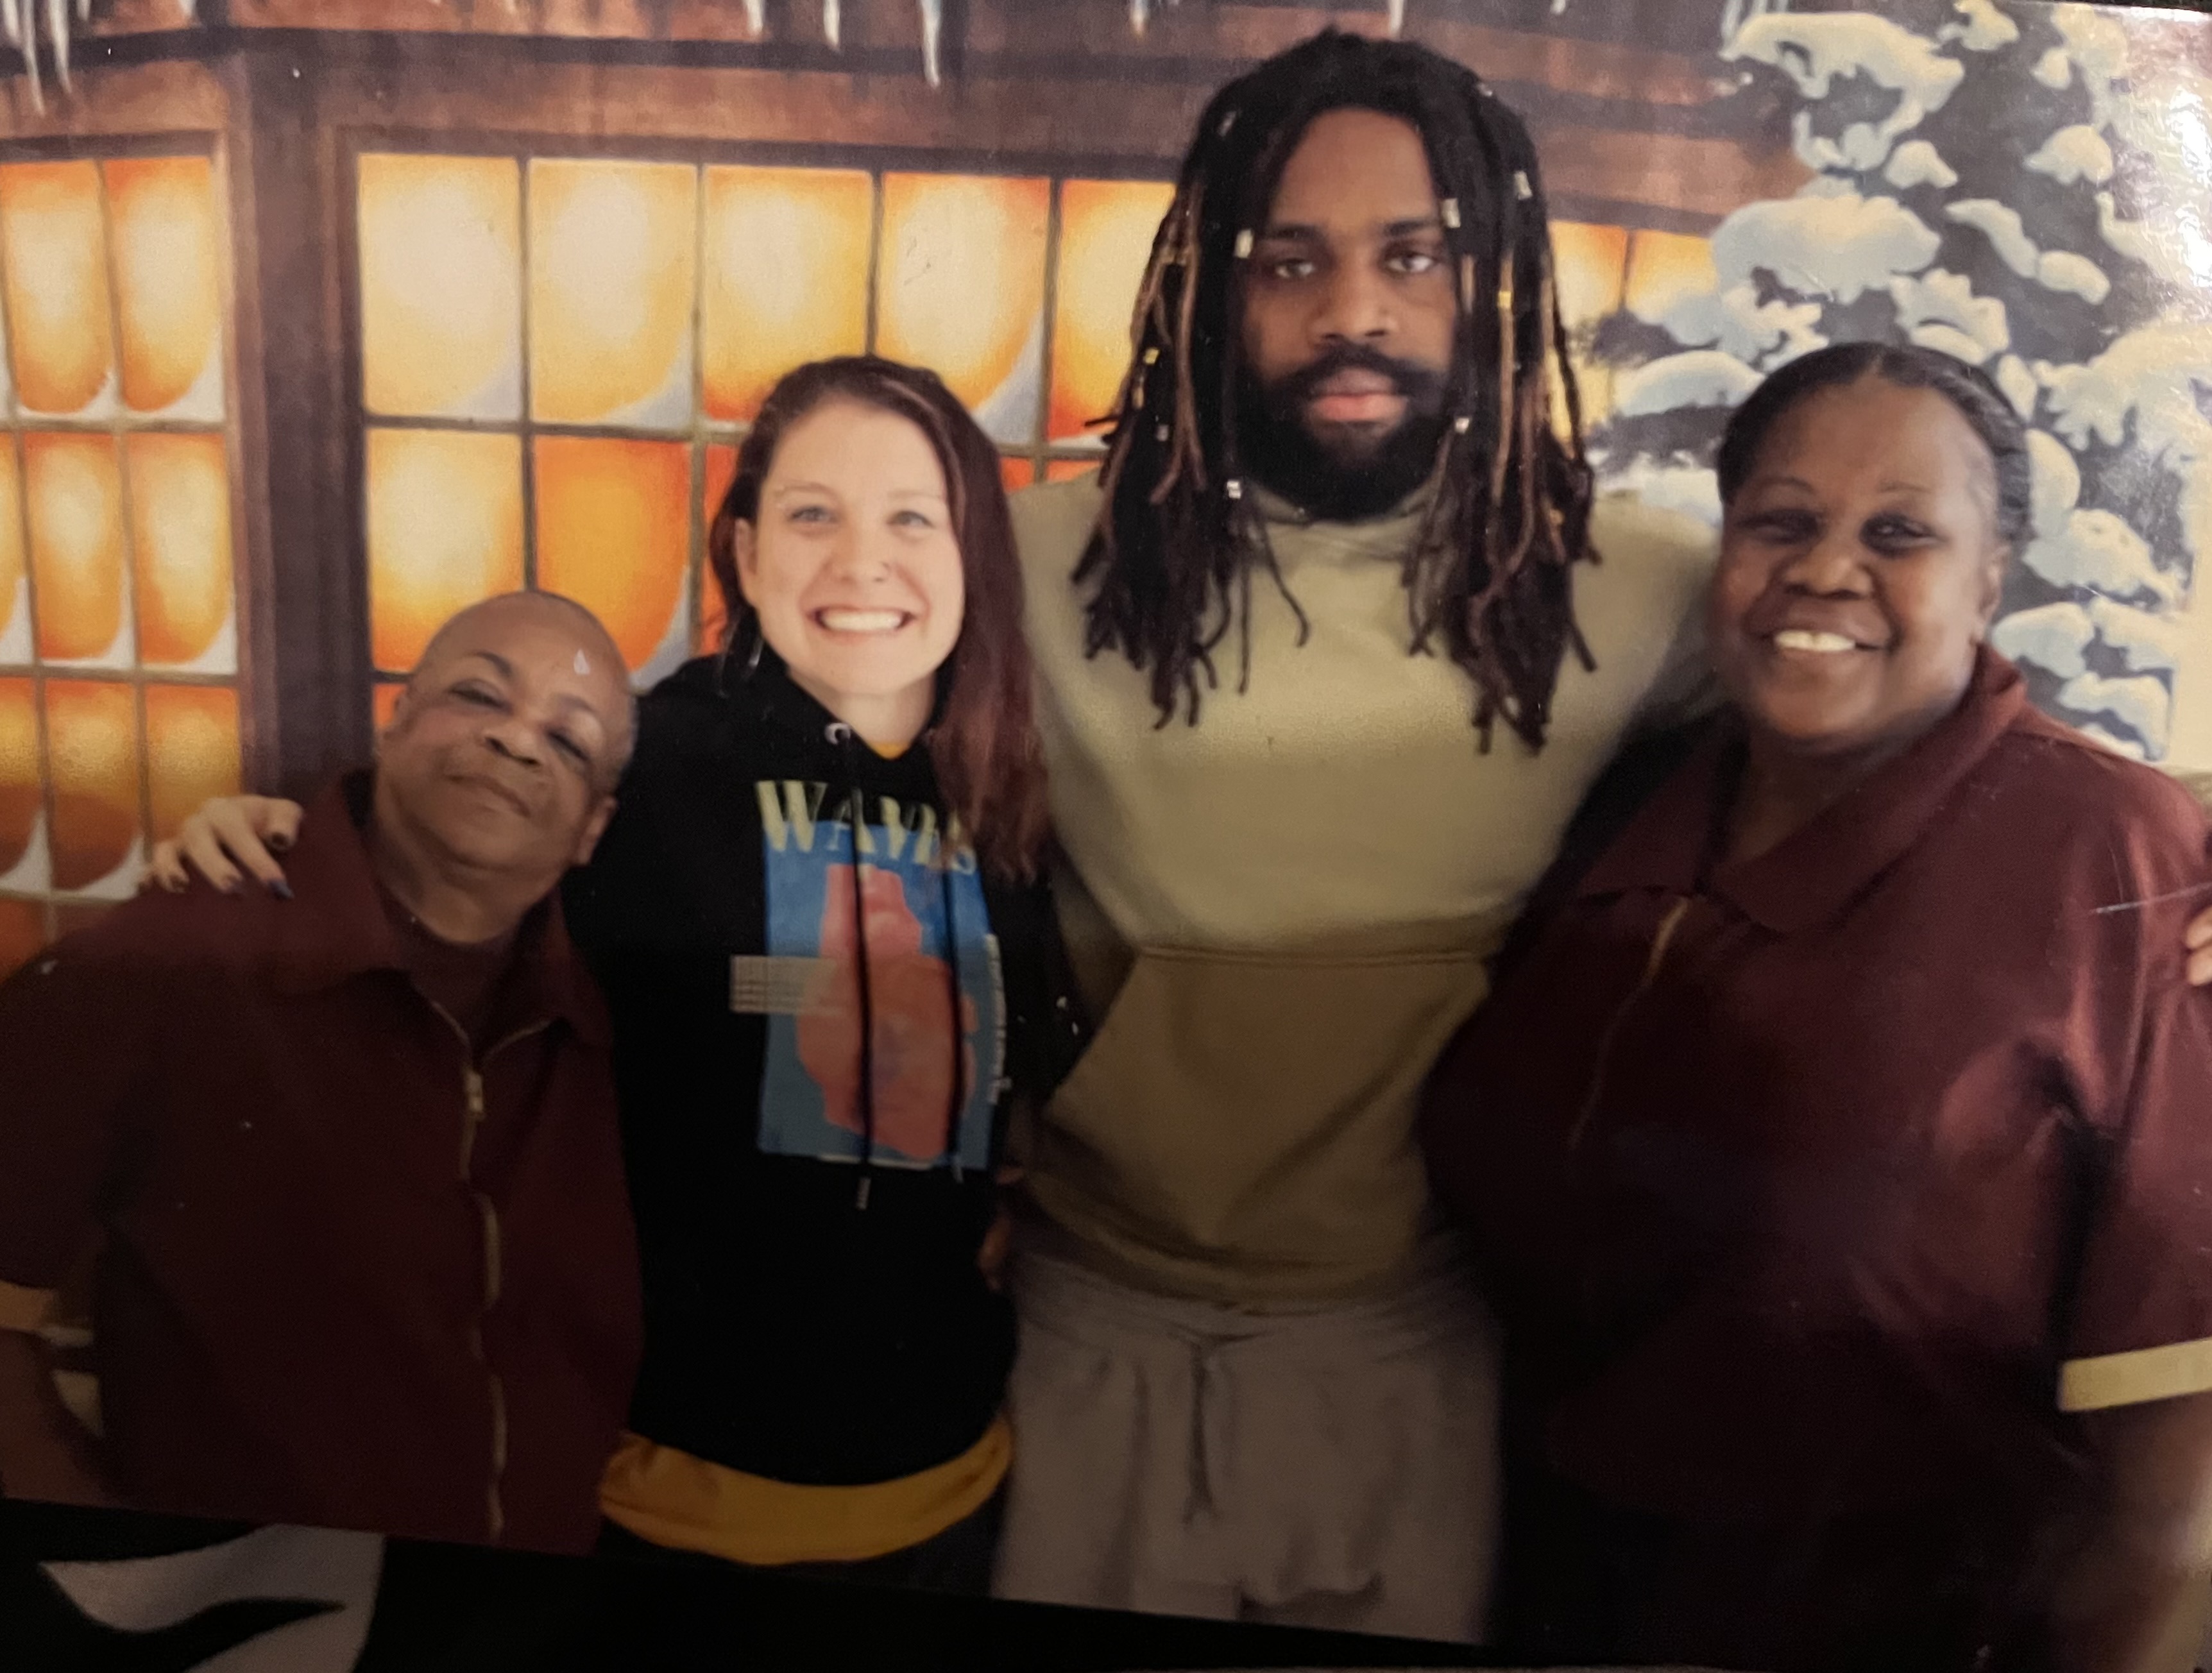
x: 228, y: 888
x: 278, y: 845
x: 173, y: 887
x: 281, y: 889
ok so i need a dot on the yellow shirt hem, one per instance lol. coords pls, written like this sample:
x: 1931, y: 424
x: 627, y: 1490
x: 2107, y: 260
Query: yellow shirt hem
x: 688, y: 1504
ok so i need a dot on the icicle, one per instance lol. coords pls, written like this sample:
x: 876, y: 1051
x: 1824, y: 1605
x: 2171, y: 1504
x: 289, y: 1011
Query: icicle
x: 932, y: 29
x: 1397, y: 18
x: 833, y: 24
x: 31, y: 54
x: 756, y: 17
x: 1140, y: 12
x: 58, y: 28
x: 11, y: 20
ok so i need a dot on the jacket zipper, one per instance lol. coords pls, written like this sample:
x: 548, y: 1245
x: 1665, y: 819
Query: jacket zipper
x: 472, y: 1097
x: 1661, y: 940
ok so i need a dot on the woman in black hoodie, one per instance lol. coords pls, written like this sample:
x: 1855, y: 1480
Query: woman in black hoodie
x: 811, y: 1137
x: 820, y: 922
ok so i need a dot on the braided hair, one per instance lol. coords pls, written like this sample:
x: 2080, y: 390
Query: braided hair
x: 1171, y: 560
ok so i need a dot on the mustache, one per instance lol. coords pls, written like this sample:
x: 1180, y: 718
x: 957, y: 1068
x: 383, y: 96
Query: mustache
x: 1423, y: 387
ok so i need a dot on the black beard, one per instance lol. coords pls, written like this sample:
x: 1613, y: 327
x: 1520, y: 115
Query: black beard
x: 1359, y: 479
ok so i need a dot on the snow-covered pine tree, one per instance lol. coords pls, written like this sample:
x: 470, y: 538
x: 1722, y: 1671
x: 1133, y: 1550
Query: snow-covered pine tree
x: 2001, y: 182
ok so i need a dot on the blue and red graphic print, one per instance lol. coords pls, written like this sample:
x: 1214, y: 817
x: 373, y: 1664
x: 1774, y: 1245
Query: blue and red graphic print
x: 922, y: 918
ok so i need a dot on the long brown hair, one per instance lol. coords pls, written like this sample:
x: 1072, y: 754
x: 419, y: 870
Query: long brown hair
x: 1170, y: 565
x: 983, y: 739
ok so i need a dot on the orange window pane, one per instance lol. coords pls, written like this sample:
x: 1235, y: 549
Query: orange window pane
x: 191, y: 750
x: 76, y: 493
x: 383, y: 701
x: 180, y: 550
x: 92, y: 738
x: 23, y: 933
x: 785, y: 280
x: 168, y: 283
x: 1664, y: 269
x: 445, y: 529
x: 961, y: 289
x: 441, y: 286
x: 1066, y: 470
x: 1589, y: 267
x: 1017, y: 472
x: 612, y: 254
x: 21, y: 793
x: 1106, y: 229
x: 56, y: 284
x: 15, y: 597
x: 614, y: 533
x: 721, y: 464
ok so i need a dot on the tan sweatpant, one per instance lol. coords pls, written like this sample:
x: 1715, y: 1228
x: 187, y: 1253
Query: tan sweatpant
x: 1334, y: 1467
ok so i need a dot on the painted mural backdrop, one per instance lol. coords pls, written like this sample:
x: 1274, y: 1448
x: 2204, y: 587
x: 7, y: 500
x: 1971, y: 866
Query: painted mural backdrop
x: 550, y: 338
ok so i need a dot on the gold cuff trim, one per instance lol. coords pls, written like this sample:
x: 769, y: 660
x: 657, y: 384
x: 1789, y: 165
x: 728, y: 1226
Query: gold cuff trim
x: 2129, y: 1379
x: 24, y: 1310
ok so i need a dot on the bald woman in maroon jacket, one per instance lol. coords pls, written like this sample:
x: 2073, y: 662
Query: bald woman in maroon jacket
x: 366, y: 1257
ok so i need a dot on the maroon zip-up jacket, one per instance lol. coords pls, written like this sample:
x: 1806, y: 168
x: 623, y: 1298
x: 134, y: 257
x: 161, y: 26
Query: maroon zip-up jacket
x: 355, y: 1273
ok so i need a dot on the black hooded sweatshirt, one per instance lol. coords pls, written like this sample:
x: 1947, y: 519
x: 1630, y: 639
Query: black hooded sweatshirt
x: 810, y: 1195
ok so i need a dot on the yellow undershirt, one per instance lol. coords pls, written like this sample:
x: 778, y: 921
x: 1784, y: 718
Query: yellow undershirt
x: 687, y: 1504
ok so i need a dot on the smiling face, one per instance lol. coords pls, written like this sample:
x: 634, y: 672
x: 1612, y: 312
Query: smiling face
x: 1349, y: 315
x: 1860, y: 566
x: 855, y: 567
x: 502, y: 754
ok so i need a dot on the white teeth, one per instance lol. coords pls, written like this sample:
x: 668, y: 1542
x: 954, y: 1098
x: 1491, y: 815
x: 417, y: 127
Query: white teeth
x: 1799, y: 639
x: 861, y: 621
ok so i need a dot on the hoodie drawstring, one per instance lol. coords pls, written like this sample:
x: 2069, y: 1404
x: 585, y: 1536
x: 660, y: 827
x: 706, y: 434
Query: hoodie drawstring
x: 855, y: 817
x: 953, y: 991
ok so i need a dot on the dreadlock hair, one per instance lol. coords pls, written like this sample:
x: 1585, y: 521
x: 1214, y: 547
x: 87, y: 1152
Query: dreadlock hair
x: 1172, y: 557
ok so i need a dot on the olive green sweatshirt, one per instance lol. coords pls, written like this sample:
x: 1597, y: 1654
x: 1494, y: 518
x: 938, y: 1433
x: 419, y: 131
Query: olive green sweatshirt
x: 1279, y: 914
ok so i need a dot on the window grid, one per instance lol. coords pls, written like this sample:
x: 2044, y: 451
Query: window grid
x: 1028, y: 457
x: 34, y: 910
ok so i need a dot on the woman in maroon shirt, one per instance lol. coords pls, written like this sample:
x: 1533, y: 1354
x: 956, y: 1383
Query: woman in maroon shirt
x: 1839, y: 1134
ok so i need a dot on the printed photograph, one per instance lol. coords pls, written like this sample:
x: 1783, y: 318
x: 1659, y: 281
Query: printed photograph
x: 1386, y: 818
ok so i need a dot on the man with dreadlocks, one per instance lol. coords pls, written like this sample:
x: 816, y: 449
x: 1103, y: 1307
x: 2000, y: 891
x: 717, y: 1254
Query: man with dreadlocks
x: 1345, y: 538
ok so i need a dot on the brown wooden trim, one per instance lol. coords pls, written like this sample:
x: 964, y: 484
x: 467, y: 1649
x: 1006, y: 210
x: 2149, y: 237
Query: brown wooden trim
x: 1219, y: 36
x: 167, y: 96
x: 1696, y: 177
x: 311, y: 592
x: 1097, y: 127
x: 113, y: 18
